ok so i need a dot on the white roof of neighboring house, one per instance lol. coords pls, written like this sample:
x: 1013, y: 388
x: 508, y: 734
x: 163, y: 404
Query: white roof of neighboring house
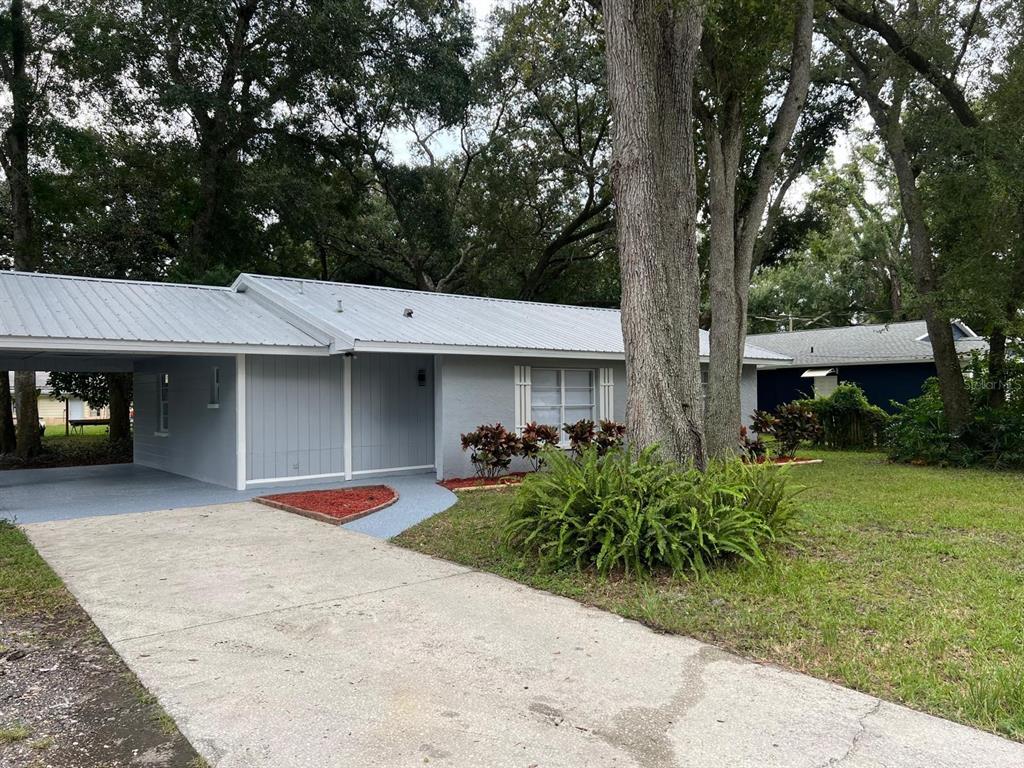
x: 375, y: 319
x: 905, y: 342
x: 59, y: 312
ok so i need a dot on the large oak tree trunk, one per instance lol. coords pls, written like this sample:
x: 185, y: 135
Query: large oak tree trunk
x: 8, y: 436
x: 651, y: 51
x: 119, y: 385
x: 726, y: 353
x: 16, y: 168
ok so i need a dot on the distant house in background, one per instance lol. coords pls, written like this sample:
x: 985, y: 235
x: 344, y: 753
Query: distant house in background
x: 889, y: 362
x: 53, y: 411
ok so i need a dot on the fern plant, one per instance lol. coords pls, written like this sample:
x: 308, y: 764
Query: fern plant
x: 634, y: 512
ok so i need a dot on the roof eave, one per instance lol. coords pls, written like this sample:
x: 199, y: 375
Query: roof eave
x: 485, y: 351
x: 128, y: 347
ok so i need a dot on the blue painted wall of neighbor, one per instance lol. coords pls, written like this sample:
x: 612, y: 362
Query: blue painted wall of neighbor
x: 776, y: 386
x: 881, y: 383
x: 884, y: 383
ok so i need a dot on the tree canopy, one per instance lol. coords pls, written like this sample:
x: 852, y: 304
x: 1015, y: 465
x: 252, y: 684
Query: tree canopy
x: 872, y: 175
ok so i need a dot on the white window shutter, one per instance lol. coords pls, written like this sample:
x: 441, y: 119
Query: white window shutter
x: 606, y: 398
x: 522, y: 387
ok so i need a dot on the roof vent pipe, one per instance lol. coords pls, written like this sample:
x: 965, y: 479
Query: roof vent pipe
x: 407, y: 312
x: 341, y: 307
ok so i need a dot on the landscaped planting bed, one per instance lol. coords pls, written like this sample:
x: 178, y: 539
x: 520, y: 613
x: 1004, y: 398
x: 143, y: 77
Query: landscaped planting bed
x: 905, y: 583
x: 470, y: 483
x: 335, y: 506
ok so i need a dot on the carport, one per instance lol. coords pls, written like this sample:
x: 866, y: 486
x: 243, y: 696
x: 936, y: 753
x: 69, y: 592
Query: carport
x: 232, y: 386
x: 186, y: 345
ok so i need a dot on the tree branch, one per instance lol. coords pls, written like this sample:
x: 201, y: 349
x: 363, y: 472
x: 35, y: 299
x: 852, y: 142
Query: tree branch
x: 942, y: 82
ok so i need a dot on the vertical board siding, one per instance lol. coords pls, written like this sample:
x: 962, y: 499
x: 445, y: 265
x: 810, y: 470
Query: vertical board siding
x: 294, y: 422
x: 392, y: 415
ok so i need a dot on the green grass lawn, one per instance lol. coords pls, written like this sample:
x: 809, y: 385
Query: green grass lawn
x: 54, y: 434
x: 89, y: 446
x: 908, y: 583
x: 27, y: 584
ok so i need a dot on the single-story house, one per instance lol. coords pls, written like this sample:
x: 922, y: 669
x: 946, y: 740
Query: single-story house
x: 276, y: 379
x: 56, y: 412
x: 890, y: 362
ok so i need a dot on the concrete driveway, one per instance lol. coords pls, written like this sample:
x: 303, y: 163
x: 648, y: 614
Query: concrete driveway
x: 278, y: 641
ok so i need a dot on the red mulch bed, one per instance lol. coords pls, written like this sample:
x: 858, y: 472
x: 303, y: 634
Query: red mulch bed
x: 337, y: 505
x: 462, y: 483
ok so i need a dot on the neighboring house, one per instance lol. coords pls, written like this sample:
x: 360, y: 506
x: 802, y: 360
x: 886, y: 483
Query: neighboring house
x: 278, y: 379
x: 889, y: 362
x: 53, y: 411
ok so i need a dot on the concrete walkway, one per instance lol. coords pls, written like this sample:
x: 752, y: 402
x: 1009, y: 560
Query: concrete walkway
x: 65, y: 493
x: 277, y: 641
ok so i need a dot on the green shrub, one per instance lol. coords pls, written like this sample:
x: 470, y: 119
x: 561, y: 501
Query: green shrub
x: 918, y: 431
x: 635, y: 512
x: 848, y: 420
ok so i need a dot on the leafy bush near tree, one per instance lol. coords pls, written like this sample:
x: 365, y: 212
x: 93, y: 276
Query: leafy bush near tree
x: 918, y: 431
x: 790, y: 424
x: 848, y: 420
x: 753, y: 448
x: 635, y: 512
x: 605, y: 436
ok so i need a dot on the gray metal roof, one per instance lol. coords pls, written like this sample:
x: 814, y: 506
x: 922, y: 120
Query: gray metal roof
x: 258, y: 313
x: 377, y: 316
x: 863, y: 344
x: 56, y: 311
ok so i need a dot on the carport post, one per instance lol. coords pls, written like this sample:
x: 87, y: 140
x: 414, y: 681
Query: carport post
x: 346, y: 399
x: 240, y: 422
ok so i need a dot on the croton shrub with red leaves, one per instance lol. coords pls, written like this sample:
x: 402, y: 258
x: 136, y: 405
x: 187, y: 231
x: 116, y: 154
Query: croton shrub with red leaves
x: 605, y: 436
x: 492, y: 447
x: 534, y: 439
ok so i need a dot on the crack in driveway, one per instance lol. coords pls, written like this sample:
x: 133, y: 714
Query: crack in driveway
x: 862, y: 730
x: 643, y: 732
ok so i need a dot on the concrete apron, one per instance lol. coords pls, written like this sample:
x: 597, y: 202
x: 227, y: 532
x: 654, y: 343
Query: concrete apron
x: 274, y: 640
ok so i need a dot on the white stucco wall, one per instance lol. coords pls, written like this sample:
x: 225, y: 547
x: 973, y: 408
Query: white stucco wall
x: 481, y: 390
x: 474, y: 390
x: 200, y: 440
